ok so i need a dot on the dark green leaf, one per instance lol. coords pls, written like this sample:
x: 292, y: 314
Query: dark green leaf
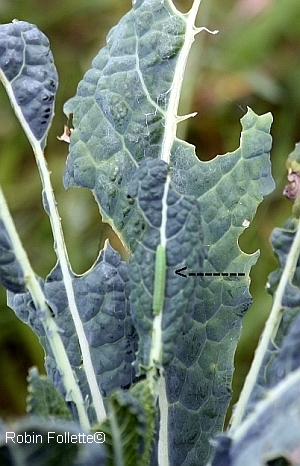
x: 101, y: 296
x: 29, y: 75
x: 175, y: 220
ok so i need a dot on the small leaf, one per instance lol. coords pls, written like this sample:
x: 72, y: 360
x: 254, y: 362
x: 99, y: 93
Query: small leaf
x: 282, y: 240
x: 44, y: 399
x: 281, y: 357
x: 29, y: 76
x: 129, y: 429
x: 287, y: 358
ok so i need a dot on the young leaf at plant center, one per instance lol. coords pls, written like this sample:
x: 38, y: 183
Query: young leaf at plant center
x: 44, y: 399
x: 172, y: 221
x: 130, y: 427
x: 101, y: 296
x: 29, y: 76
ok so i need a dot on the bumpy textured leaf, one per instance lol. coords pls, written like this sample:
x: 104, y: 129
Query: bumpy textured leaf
x: 44, y: 399
x: 11, y: 272
x: 101, y: 296
x: 29, y: 75
x: 119, y: 119
x: 229, y: 189
x: 176, y: 220
x: 120, y: 109
x: 288, y: 358
x: 44, y: 443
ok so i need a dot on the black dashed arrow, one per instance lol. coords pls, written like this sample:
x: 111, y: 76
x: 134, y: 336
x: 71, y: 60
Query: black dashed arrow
x: 208, y: 274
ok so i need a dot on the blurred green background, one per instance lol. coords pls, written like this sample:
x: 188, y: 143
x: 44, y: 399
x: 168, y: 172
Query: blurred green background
x: 253, y: 61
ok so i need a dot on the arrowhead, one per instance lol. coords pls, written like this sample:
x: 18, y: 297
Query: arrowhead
x: 181, y: 274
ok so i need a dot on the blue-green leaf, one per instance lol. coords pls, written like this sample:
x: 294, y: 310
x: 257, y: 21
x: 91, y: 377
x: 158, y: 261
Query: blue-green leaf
x: 122, y: 114
x: 120, y: 108
x: 281, y: 357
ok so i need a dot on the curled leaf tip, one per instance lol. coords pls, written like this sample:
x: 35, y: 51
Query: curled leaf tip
x: 66, y: 135
x: 292, y: 190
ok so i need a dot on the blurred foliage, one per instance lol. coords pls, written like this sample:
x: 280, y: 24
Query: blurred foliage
x: 253, y: 61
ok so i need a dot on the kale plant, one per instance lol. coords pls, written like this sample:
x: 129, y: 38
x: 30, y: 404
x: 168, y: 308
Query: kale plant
x: 139, y: 354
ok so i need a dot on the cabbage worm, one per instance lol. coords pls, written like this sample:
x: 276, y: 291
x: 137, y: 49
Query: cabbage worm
x: 159, y: 279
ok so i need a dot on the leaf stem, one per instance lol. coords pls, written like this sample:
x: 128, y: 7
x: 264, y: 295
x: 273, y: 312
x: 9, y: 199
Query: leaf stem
x: 60, y: 250
x: 49, y: 324
x: 163, y: 446
x: 275, y: 396
x: 269, y: 332
x: 172, y: 118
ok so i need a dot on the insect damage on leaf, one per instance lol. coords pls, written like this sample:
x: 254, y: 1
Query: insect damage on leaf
x: 146, y: 314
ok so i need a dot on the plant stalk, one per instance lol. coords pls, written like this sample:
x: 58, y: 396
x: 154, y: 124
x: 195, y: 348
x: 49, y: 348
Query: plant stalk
x: 49, y: 324
x: 268, y: 334
x: 60, y: 250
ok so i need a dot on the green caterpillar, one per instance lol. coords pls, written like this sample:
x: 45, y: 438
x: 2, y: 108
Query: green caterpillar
x: 159, y: 279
